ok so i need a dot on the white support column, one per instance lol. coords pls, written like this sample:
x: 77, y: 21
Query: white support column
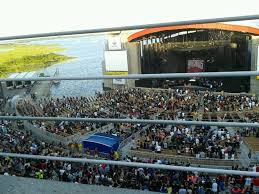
x: 254, y: 47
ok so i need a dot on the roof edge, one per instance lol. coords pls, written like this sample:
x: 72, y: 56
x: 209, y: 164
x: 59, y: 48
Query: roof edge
x: 217, y: 26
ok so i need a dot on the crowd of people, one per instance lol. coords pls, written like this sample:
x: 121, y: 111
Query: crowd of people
x: 2, y: 104
x: 220, y: 102
x: 131, y: 103
x: 124, y: 130
x: 146, y: 179
x: 212, y: 85
x: 201, y: 141
x: 141, y: 103
x: 16, y: 140
x: 55, y: 108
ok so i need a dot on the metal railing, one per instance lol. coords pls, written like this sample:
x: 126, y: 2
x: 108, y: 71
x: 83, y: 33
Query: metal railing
x: 136, y: 121
x: 133, y: 164
x: 142, y: 76
x: 134, y: 27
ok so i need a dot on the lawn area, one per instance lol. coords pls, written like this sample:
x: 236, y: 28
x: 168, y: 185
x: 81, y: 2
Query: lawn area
x: 26, y: 57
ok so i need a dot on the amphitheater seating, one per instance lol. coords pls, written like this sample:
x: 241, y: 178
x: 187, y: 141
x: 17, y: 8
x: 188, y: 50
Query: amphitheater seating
x: 180, y: 158
x: 253, y: 143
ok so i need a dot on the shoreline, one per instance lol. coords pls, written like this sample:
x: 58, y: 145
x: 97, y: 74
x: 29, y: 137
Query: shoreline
x: 23, y: 58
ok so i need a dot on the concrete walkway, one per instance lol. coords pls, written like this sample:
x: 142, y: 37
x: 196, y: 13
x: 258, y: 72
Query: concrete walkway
x: 20, y: 185
x: 244, y: 150
x: 41, y: 88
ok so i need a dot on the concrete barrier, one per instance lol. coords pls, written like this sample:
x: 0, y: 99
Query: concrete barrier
x: 178, y: 158
x: 44, y: 135
x: 54, y: 138
x: 130, y: 138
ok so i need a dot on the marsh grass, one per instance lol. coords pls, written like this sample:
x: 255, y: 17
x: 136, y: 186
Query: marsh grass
x: 27, y: 57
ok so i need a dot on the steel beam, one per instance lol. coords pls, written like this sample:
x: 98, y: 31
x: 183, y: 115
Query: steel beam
x: 133, y: 27
x: 142, y: 76
x: 132, y: 164
x: 136, y: 121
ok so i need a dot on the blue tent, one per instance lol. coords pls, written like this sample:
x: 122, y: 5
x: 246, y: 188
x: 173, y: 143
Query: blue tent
x: 104, y: 143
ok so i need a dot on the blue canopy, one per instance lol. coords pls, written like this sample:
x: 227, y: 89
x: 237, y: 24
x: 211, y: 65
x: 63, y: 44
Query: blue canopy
x: 104, y: 143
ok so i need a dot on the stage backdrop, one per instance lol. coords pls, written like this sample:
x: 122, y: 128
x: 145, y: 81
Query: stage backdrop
x: 195, y: 65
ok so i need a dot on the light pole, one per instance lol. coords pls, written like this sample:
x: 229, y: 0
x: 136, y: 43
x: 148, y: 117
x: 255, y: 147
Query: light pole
x: 1, y: 91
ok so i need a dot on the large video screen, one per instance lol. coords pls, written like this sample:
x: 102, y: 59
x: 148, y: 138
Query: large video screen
x: 195, y: 65
x: 116, y: 60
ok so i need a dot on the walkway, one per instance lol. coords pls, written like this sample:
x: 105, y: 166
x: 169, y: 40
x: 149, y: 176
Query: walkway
x: 19, y: 185
x: 244, y: 150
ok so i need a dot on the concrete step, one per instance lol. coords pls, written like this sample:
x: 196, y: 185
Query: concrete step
x: 18, y: 185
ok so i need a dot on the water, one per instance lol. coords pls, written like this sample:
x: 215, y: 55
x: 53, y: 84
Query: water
x: 89, y: 53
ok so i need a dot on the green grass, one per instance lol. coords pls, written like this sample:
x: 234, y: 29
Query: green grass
x: 25, y: 57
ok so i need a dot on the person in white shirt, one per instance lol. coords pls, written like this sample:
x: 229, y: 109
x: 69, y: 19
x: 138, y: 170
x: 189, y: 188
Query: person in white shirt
x: 186, y: 130
x: 187, y: 150
x: 250, y: 105
x: 61, y: 172
x: 68, y: 167
x: 158, y: 149
x: 214, y: 188
x: 158, y: 161
x: 226, y: 156
x: 248, y: 182
x: 165, y: 145
x: 197, y: 141
x: 228, y: 135
x: 134, y: 158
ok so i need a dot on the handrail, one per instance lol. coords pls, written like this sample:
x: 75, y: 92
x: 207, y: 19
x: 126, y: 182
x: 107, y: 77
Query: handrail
x: 137, y: 121
x: 132, y: 164
x: 134, y: 27
x: 141, y: 76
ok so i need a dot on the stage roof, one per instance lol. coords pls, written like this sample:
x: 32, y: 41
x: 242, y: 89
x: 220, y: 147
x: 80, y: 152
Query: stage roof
x: 211, y: 26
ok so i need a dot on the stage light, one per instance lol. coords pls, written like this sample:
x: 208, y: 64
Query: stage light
x: 233, y: 45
